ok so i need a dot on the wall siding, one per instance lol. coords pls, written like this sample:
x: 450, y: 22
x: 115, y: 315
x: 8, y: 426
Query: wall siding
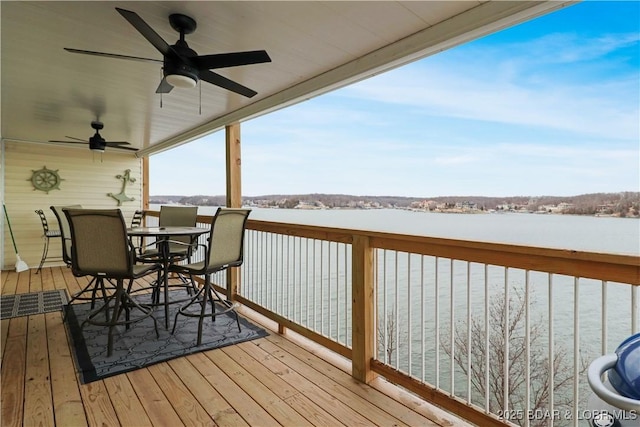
x: 87, y: 178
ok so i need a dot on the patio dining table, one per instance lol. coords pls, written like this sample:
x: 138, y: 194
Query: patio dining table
x: 163, y: 238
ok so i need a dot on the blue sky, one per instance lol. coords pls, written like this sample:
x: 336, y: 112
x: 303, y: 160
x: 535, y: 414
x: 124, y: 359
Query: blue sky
x: 550, y: 107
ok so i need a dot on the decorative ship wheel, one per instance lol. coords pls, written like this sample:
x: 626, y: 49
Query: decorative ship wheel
x: 45, y: 179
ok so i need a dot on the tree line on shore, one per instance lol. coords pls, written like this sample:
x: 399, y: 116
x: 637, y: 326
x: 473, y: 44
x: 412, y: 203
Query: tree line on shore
x: 619, y: 204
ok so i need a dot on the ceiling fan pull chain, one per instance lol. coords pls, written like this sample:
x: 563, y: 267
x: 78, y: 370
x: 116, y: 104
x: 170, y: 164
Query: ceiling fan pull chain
x: 200, y: 84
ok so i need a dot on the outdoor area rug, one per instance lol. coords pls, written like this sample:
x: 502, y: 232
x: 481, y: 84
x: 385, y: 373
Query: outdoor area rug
x: 139, y: 347
x: 32, y: 303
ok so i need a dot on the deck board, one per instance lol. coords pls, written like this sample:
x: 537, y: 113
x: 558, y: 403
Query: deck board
x: 368, y: 394
x: 326, y: 400
x: 130, y: 409
x: 67, y: 402
x: 262, y: 395
x: 153, y: 400
x: 308, y: 408
x: 38, y: 400
x: 270, y: 381
x: 97, y: 405
x: 23, y: 284
x: 13, y: 373
x: 220, y: 411
x: 248, y: 409
x: 181, y: 397
x: 9, y: 282
x: 316, y: 374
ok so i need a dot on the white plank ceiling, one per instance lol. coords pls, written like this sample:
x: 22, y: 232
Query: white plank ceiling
x: 48, y: 93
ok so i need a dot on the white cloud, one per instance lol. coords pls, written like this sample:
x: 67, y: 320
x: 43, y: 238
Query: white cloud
x: 521, y: 83
x: 573, y: 48
x: 600, y: 109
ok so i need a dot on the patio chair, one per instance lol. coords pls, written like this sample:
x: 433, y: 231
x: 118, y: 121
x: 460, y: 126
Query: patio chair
x: 180, y: 247
x: 224, y: 250
x: 65, y: 233
x: 136, y: 221
x: 101, y: 248
x: 47, y: 235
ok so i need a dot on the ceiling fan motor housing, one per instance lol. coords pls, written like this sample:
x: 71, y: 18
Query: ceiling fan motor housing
x: 176, y: 63
x: 97, y: 143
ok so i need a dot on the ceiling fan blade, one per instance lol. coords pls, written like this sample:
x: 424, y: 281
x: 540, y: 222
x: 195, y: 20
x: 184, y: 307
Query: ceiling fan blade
x: 112, y: 55
x: 146, y: 31
x: 77, y: 139
x: 233, y: 59
x: 223, y: 82
x: 116, y: 143
x: 70, y: 142
x: 164, y: 86
x: 124, y: 148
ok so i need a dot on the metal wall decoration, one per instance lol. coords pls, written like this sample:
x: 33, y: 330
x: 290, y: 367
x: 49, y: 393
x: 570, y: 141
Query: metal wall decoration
x: 45, y: 179
x: 121, y: 197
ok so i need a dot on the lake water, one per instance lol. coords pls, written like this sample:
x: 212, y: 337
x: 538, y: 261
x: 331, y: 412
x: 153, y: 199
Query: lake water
x: 574, y: 232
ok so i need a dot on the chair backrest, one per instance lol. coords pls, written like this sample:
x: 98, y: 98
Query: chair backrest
x: 226, y: 240
x: 43, y: 220
x: 178, y: 216
x: 136, y: 220
x: 65, y: 232
x: 182, y: 216
x: 100, y: 245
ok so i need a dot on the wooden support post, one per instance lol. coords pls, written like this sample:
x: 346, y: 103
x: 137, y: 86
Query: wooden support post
x: 145, y: 183
x: 234, y: 175
x: 234, y: 193
x: 363, y: 322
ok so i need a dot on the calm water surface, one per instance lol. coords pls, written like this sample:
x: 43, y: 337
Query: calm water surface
x: 575, y: 232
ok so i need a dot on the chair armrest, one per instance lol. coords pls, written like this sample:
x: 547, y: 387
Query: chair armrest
x: 191, y: 247
x: 178, y: 242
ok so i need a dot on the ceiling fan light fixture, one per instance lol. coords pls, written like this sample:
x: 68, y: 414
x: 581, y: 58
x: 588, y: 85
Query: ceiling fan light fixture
x: 178, y: 80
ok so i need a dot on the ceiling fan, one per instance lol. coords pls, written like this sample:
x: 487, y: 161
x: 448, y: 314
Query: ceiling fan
x: 97, y: 142
x: 182, y: 66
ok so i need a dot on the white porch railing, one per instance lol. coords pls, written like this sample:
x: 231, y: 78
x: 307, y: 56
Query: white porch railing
x: 445, y: 324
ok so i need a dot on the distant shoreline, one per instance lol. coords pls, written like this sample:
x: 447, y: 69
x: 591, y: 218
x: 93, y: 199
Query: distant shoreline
x: 623, y: 204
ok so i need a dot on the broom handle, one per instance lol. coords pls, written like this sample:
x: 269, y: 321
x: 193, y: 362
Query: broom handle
x: 10, y: 230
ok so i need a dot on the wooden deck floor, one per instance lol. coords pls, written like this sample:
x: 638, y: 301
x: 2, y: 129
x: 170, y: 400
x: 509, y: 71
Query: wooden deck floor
x: 267, y: 382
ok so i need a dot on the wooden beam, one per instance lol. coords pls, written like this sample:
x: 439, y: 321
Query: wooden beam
x: 363, y: 321
x: 145, y: 183
x: 234, y: 176
x: 234, y: 192
x: 438, y: 397
x: 302, y: 330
